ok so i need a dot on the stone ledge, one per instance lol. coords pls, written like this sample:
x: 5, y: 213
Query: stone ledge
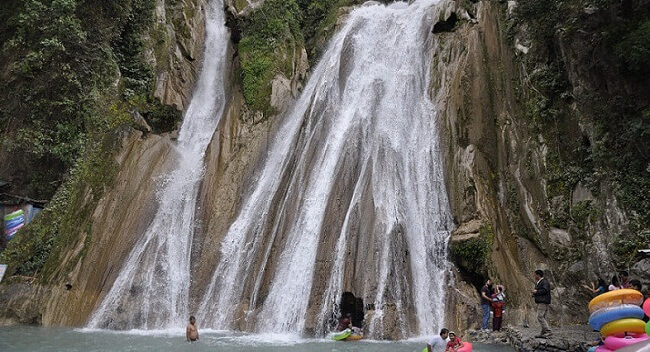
x: 570, y: 338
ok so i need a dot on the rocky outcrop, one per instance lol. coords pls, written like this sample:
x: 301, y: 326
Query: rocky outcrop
x: 499, y: 167
x: 570, y: 339
x: 176, y: 43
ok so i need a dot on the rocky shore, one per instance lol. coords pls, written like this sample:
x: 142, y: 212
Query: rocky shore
x: 568, y: 338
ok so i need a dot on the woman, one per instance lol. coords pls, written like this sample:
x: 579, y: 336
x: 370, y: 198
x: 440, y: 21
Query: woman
x: 615, y: 284
x: 600, y: 287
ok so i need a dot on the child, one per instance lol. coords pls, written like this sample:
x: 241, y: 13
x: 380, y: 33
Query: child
x: 192, y: 333
x: 454, y: 343
x: 498, y: 307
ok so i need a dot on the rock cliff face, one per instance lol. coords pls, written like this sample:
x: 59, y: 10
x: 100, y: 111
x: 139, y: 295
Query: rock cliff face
x: 500, y: 173
x: 497, y: 173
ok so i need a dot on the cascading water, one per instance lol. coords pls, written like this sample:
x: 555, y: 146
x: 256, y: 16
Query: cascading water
x: 152, y: 288
x: 352, y: 190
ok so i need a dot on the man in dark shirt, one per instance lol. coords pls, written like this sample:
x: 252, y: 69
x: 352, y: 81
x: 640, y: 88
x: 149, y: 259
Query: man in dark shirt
x: 486, y: 303
x: 542, y: 295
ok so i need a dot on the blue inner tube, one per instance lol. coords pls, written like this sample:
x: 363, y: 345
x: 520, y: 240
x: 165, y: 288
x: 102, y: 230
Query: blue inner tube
x: 609, y: 314
x: 14, y: 222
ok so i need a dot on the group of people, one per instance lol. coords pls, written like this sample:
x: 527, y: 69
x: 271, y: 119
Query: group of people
x: 493, y: 298
x: 622, y: 280
x: 446, y: 342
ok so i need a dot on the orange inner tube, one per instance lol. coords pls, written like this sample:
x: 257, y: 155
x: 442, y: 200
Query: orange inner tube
x: 616, y: 297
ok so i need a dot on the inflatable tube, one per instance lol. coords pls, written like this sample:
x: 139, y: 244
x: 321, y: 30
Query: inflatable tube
x: 20, y: 217
x: 13, y: 215
x: 609, y: 314
x: 615, y: 298
x: 614, y: 343
x: 622, y: 326
x: 354, y: 338
x: 603, y: 349
x: 646, y: 307
x: 639, y: 347
x: 14, y: 222
x: 17, y: 226
x: 14, y: 229
x: 647, y: 328
x: 341, y: 335
x: 467, y: 347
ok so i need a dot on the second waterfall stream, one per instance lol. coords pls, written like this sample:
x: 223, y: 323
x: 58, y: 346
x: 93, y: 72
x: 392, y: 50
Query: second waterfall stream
x: 351, y: 195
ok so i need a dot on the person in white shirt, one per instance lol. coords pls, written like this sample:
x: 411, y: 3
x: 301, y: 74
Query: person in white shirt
x: 438, y: 343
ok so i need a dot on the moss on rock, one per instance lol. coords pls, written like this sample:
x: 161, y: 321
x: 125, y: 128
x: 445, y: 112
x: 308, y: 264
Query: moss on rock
x: 270, y: 36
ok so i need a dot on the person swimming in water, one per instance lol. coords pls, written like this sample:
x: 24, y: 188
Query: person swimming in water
x: 192, y: 333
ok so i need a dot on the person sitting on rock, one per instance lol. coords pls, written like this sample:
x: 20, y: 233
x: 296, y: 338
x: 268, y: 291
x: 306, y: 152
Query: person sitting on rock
x: 345, y: 322
x: 599, y: 288
x: 454, y: 343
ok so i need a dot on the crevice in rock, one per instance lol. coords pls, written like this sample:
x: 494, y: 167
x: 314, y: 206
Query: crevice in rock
x: 447, y: 25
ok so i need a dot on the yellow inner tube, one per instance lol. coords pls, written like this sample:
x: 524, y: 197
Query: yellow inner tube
x: 625, y: 295
x: 622, y: 326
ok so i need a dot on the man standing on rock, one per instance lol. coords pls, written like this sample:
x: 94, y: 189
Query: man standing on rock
x: 486, y: 303
x: 542, y: 295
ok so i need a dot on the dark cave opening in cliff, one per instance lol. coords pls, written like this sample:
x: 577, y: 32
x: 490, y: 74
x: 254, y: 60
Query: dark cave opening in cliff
x: 354, y: 306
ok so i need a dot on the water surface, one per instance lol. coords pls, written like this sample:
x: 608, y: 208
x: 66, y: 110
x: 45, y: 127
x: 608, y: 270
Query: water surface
x: 32, y: 339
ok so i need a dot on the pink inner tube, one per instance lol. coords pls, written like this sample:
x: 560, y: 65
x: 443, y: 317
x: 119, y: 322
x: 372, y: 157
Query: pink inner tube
x: 467, y: 347
x: 614, y: 343
x: 603, y: 349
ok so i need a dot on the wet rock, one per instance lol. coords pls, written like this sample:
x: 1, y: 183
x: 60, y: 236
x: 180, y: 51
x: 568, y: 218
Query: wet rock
x: 559, y: 237
x: 467, y: 230
x: 641, y: 271
x: 447, y: 25
x: 20, y: 303
x: 568, y: 338
x: 140, y: 123
x: 576, y: 268
x: 581, y: 193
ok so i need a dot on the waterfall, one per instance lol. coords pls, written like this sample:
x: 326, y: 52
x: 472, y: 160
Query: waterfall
x: 152, y: 288
x: 351, y: 195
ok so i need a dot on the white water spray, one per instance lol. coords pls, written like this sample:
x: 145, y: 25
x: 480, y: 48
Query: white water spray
x: 152, y: 288
x: 365, y: 131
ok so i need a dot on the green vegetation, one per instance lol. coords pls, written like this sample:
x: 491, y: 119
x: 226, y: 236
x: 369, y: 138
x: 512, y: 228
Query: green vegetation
x: 271, y: 37
x: 58, y: 56
x: 473, y: 255
x: 610, y: 98
x: 66, y: 217
x: 73, y: 73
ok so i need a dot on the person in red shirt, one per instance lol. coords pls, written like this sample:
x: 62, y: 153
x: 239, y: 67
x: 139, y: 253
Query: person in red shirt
x: 454, y: 343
